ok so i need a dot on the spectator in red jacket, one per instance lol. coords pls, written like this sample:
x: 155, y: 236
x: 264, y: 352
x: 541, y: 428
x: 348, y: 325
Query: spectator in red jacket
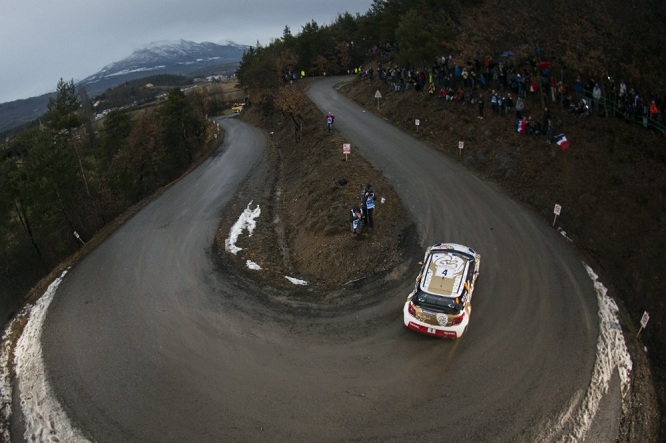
x: 654, y: 110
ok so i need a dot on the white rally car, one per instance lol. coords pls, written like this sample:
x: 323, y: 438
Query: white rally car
x: 441, y: 302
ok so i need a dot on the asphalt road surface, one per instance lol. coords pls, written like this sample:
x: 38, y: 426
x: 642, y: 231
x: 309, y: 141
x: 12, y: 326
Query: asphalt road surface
x: 146, y: 340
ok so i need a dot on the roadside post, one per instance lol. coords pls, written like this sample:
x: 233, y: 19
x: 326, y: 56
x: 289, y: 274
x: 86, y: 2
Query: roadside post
x: 378, y: 96
x: 346, y: 149
x: 644, y: 321
x: 418, y: 123
x: 461, y: 145
x: 78, y: 237
x: 556, y: 211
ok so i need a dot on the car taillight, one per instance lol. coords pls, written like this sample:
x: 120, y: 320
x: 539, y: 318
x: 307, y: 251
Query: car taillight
x: 411, y: 309
x: 458, y: 320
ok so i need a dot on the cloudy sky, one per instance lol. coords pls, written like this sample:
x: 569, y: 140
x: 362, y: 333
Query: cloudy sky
x: 45, y: 40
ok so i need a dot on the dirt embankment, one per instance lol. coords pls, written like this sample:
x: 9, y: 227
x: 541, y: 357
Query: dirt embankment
x: 305, y: 190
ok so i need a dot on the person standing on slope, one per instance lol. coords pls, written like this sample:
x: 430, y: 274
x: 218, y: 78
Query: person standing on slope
x: 330, y: 120
x: 369, y: 204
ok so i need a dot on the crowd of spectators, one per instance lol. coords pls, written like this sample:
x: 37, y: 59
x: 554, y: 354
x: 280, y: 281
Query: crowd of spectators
x: 514, y: 84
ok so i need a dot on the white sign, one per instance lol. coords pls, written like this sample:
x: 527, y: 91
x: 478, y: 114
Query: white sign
x: 644, y: 322
x: 556, y: 211
x: 346, y: 148
x: 461, y: 144
x: 417, y: 121
x: 378, y: 95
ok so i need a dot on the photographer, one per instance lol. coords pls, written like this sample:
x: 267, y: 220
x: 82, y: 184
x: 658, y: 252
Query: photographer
x: 368, y: 202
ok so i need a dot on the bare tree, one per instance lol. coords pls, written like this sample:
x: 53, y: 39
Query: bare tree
x: 292, y: 101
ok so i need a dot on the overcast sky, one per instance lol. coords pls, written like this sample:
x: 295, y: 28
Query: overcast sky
x: 45, y: 40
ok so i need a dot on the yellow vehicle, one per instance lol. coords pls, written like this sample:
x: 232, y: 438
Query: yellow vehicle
x: 237, y: 107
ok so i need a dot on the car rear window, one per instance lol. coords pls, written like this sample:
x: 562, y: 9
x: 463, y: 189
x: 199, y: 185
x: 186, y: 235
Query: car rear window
x: 436, y: 303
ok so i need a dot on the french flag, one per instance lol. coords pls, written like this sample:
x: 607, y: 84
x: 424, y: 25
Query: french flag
x: 562, y: 142
x: 520, y: 126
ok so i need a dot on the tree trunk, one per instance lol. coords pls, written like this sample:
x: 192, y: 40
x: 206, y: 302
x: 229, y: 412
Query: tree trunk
x: 23, y: 217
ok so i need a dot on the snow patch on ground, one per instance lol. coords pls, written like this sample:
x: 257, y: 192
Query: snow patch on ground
x: 252, y: 265
x: 245, y: 221
x: 612, y: 354
x: 6, y: 376
x: 296, y: 281
x: 45, y: 420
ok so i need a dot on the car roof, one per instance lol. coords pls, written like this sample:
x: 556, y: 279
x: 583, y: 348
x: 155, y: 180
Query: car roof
x: 445, y: 270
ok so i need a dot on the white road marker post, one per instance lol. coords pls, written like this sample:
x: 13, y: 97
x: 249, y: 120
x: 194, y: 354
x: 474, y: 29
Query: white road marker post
x: 556, y: 211
x: 346, y: 149
x: 78, y: 237
x: 461, y: 145
x: 644, y: 321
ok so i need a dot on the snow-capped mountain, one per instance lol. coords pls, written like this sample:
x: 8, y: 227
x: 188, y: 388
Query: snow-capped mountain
x: 165, y: 57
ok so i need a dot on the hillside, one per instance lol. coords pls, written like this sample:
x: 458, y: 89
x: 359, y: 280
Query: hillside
x: 21, y: 112
x: 306, y: 190
x: 607, y: 41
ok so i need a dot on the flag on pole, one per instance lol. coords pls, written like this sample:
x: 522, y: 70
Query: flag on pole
x: 562, y: 142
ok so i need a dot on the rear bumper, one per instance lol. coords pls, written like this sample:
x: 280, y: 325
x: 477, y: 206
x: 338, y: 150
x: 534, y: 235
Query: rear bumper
x: 436, y: 331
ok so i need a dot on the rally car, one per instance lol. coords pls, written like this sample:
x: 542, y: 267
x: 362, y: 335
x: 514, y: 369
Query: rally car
x: 440, y: 304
